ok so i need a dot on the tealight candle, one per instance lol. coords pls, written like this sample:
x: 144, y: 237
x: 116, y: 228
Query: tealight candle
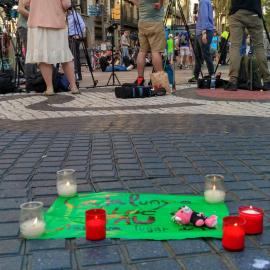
x: 233, y: 238
x: 32, y: 220
x: 214, y: 196
x: 253, y: 217
x: 32, y: 228
x: 66, y: 183
x: 95, y: 224
x: 66, y: 189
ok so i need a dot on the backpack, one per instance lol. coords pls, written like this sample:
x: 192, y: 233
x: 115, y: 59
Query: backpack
x: 183, y: 39
x: 6, y: 85
x: 243, y: 79
x: 63, y: 84
x: 131, y: 90
x: 39, y: 84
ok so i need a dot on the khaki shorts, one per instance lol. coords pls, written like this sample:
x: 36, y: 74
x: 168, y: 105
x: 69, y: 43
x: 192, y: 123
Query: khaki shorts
x: 184, y: 51
x: 152, y: 37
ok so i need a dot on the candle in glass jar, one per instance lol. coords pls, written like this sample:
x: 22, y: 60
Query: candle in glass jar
x: 214, y: 196
x: 32, y: 228
x: 95, y: 225
x: 233, y: 238
x: 66, y: 189
x: 253, y: 217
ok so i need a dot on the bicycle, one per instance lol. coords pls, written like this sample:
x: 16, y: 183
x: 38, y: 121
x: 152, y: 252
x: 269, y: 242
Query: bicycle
x: 5, y: 63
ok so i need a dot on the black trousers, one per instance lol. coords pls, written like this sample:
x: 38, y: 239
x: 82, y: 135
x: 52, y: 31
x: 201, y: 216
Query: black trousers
x: 74, y: 45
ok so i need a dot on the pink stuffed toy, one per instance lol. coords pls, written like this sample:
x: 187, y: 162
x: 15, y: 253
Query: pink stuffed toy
x: 185, y: 215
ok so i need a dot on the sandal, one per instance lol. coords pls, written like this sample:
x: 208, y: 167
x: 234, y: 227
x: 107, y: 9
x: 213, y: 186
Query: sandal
x: 75, y: 91
x: 49, y: 92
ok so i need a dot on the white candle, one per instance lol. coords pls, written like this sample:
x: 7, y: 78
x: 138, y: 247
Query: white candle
x: 250, y: 211
x: 32, y: 228
x: 65, y: 189
x: 214, y: 196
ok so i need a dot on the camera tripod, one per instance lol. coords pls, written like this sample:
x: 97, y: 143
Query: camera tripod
x: 74, y: 45
x: 113, y: 75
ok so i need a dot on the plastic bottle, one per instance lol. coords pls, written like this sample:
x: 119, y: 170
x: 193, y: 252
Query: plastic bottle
x: 213, y: 82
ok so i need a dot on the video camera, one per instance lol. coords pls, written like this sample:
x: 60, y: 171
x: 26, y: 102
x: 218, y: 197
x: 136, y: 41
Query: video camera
x: 7, y: 5
x: 112, y: 27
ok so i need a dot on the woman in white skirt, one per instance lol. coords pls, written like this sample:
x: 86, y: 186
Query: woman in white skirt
x: 47, y: 40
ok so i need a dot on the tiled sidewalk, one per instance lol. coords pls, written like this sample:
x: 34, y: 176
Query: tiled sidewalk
x: 157, y: 163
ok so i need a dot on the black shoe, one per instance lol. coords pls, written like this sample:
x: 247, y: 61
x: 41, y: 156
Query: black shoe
x: 181, y: 66
x: 141, y: 84
x: 231, y: 86
x: 266, y: 86
x: 193, y: 79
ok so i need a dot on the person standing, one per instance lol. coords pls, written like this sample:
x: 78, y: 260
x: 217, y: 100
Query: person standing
x: 47, y: 40
x: 246, y: 14
x: 184, y: 45
x: 76, y: 27
x: 124, y: 46
x: 170, y: 44
x: 151, y: 35
x: 203, y: 39
x: 176, y: 47
x: 30, y: 70
x: 214, y: 46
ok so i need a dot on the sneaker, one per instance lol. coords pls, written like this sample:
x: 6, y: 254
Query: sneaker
x: 75, y: 91
x: 130, y: 67
x: 181, y: 66
x: 231, y: 86
x: 266, y: 86
x: 142, y: 82
x: 186, y: 67
x: 193, y: 79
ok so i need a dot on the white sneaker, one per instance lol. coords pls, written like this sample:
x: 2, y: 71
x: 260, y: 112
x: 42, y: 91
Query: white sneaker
x: 130, y: 67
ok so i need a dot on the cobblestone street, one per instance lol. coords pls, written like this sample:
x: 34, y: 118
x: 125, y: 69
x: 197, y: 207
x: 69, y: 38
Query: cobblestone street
x: 159, y: 145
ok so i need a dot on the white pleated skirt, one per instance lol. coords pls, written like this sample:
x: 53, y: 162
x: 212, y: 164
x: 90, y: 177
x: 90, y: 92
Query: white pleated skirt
x: 47, y: 45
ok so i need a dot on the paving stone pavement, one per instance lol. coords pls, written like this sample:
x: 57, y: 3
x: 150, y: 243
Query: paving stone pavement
x: 162, y: 145
x: 150, y: 162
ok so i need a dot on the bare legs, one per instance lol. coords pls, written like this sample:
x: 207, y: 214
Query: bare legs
x: 68, y: 68
x: 46, y: 70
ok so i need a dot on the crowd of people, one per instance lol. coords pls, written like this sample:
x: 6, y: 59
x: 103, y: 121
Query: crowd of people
x: 42, y: 29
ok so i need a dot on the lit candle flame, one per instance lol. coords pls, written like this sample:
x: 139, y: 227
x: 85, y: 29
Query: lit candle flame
x: 235, y: 224
x: 95, y: 216
x: 67, y: 184
x: 35, y: 222
x: 250, y: 207
x: 214, y: 188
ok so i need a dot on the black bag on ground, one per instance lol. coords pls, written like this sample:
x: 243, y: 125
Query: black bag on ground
x: 205, y: 82
x: 6, y: 85
x: 243, y: 79
x: 39, y: 84
x: 131, y: 90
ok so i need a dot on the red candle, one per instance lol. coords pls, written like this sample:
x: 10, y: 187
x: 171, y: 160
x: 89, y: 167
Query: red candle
x: 233, y: 238
x: 253, y: 217
x: 95, y: 226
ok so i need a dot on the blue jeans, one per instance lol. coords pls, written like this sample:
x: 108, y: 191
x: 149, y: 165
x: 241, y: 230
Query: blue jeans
x: 202, y: 53
x: 124, y: 52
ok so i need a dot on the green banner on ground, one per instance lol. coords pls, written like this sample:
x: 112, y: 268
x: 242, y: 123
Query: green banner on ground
x: 131, y: 215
